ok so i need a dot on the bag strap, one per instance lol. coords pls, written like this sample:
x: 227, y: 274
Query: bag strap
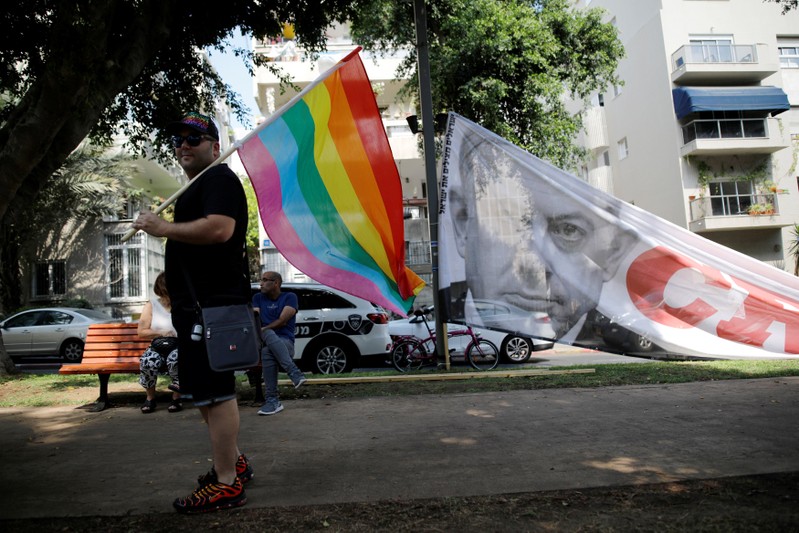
x: 245, y: 263
x: 197, y: 308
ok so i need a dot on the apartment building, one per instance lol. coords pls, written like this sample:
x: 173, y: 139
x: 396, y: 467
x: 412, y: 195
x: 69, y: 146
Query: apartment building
x: 704, y: 132
x: 296, y: 64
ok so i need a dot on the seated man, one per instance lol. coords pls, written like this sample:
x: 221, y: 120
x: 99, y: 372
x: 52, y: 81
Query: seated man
x: 277, y: 311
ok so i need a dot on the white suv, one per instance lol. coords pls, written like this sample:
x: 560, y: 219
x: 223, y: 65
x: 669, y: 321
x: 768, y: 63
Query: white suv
x: 335, y: 329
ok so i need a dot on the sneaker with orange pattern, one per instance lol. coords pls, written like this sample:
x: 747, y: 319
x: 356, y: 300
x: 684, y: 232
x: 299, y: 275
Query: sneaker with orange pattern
x: 212, y: 497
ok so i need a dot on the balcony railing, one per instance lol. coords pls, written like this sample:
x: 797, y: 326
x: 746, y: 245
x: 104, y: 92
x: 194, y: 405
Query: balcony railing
x: 724, y: 205
x: 747, y: 128
x: 714, y: 53
x: 417, y: 253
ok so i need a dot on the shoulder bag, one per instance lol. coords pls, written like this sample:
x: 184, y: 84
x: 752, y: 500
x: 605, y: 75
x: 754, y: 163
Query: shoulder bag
x: 231, y: 334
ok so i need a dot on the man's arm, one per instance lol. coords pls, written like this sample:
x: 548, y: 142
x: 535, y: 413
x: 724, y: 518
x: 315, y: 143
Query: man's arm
x: 285, y: 315
x: 213, y: 229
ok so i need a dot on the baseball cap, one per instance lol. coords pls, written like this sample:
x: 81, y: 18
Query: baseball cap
x: 202, y: 124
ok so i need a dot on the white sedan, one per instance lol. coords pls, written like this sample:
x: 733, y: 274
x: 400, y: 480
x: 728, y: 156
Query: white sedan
x: 514, y: 348
x: 50, y: 331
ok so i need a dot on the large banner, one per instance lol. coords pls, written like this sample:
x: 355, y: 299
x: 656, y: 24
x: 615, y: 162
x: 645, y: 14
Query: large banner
x: 328, y: 188
x: 527, y: 248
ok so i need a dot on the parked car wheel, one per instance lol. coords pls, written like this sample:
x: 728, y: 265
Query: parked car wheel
x: 516, y: 349
x: 641, y: 343
x: 72, y: 351
x: 330, y: 357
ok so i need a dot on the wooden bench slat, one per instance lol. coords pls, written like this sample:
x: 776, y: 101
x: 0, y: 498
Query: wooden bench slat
x: 111, y: 347
x: 115, y: 325
x: 116, y: 337
x: 106, y: 356
x: 101, y: 368
x: 93, y: 358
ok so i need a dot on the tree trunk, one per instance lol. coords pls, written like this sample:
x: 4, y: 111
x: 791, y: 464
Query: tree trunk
x: 6, y: 364
x: 10, y: 284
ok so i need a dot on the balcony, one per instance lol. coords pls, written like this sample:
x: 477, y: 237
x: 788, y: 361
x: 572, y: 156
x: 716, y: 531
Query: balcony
x: 417, y: 253
x: 601, y: 178
x: 740, y: 136
x: 720, y: 64
x: 296, y: 65
x: 728, y: 212
x: 596, y: 130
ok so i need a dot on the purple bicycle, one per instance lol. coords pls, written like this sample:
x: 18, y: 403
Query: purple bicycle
x: 409, y: 353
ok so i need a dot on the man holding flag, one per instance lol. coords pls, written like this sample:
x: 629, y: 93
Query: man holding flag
x: 328, y: 191
x: 205, y: 257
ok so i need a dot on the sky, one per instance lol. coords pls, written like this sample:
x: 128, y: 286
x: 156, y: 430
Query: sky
x: 233, y: 71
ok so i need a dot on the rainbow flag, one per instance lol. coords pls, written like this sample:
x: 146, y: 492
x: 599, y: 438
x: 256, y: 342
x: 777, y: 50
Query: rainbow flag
x: 329, y: 192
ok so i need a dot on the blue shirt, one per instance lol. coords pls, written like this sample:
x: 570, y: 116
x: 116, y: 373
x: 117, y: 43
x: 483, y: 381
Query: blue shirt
x: 270, y: 311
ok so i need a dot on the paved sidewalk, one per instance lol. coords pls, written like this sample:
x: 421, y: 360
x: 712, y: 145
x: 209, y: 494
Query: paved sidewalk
x: 69, y: 462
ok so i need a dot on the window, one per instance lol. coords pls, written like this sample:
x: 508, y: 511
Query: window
x: 24, y: 320
x: 731, y: 197
x: 50, y: 279
x: 789, y: 56
x: 54, y: 318
x: 399, y: 131
x: 125, y: 266
x: 319, y: 299
x: 711, y: 49
x: 412, y: 212
x: 623, y: 151
x: 603, y: 160
x: 129, y: 211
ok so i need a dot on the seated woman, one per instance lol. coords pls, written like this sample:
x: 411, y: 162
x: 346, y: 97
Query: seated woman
x: 156, y: 323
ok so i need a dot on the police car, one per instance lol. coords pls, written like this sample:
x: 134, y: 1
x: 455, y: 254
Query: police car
x: 334, y: 330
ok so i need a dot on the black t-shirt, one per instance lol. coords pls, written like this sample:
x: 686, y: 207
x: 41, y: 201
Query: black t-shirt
x: 218, y: 272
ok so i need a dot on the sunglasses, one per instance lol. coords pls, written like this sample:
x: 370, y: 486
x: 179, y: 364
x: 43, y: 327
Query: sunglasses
x: 192, y: 140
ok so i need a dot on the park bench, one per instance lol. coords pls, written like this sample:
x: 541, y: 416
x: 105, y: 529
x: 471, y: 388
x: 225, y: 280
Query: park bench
x: 116, y: 349
x: 109, y: 349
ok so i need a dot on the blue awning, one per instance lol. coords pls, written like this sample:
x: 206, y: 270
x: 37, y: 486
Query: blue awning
x: 689, y: 100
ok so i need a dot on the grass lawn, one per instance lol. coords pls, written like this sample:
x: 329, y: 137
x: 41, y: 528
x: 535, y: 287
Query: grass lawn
x: 40, y: 390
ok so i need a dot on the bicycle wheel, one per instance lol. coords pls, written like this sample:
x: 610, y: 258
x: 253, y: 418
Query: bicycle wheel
x: 408, y: 355
x: 482, y: 355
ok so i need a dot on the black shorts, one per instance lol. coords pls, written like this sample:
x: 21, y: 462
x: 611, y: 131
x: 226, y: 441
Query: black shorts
x: 196, y: 377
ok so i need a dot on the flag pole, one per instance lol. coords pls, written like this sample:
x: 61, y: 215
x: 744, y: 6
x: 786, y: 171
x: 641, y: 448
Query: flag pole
x: 235, y: 146
x: 428, y: 132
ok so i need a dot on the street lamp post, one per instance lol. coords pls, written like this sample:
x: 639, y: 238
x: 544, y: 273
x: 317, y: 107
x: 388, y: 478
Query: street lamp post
x: 428, y: 132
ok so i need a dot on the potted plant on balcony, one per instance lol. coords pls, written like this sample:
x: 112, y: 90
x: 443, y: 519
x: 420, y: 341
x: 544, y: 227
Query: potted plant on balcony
x: 761, y: 209
x: 769, y: 187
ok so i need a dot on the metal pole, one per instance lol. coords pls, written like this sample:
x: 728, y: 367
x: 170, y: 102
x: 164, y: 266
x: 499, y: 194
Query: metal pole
x: 428, y: 132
